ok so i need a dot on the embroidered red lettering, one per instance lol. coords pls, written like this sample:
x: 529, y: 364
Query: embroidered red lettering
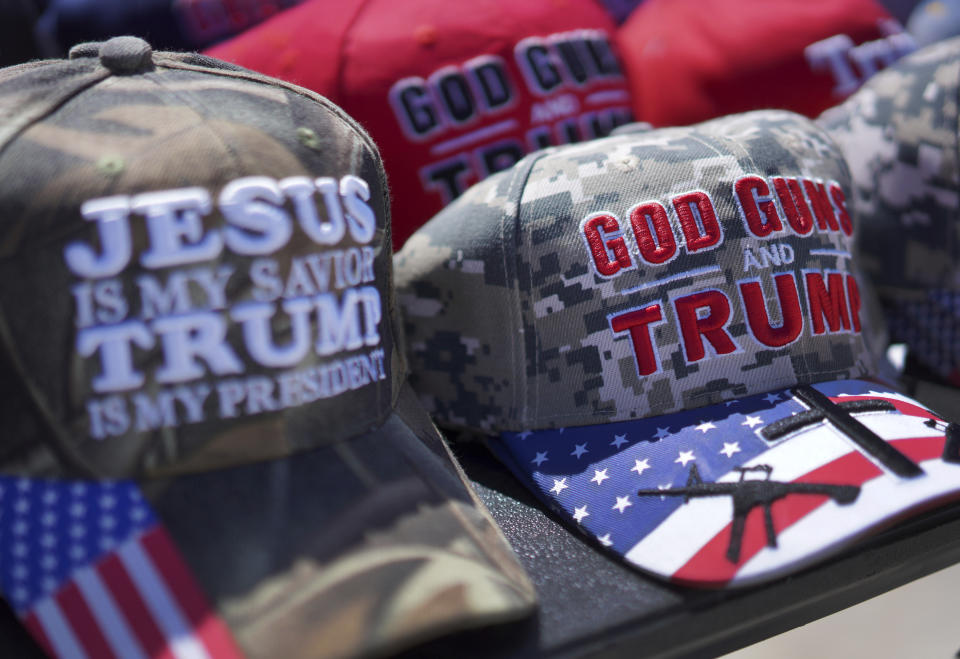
x: 794, y: 205
x: 840, y: 203
x: 661, y: 248
x: 853, y: 296
x: 698, y: 219
x: 758, y: 319
x: 694, y: 329
x: 756, y: 206
x: 593, y: 229
x: 638, y: 322
x: 822, y: 208
x: 828, y: 301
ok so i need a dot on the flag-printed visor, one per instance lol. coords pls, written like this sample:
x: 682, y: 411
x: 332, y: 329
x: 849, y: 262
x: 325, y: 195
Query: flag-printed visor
x: 748, y: 490
x: 92, y: 572
x: 339, y: 551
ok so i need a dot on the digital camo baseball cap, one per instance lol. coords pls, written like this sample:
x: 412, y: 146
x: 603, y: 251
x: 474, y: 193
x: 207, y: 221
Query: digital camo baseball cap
x: 450, y: 91
x: 899, y: 134
x: 210, y: 448
x: 663, y: 332
x: 693, y: 60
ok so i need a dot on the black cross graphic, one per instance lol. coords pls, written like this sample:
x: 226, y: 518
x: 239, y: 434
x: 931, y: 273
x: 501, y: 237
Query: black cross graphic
x: 841, y: 416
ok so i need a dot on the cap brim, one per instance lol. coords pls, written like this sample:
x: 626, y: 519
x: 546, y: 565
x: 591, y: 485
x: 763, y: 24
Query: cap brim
x: 369, y: 545
x: 748, y: 490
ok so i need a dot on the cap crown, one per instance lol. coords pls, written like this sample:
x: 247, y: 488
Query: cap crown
x: 198, y: 261
x: 899, y: 134
x: 635, y: 276
x: 692, y: 60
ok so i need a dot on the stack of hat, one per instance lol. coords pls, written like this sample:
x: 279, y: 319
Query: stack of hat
x: 450, y: 92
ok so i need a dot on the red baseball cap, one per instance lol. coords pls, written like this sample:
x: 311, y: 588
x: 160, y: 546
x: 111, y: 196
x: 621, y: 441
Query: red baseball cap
x: 450, y: 91
x: 692, y: 60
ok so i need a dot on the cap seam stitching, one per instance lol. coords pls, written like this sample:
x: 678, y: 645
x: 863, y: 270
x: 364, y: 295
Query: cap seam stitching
x: 520, y: 187
x: 517, y: 398
x: 191, y: 98
x: 252, y: 76
x: 78, y: 229
x: 53, y: 108
x: 342, y: 47
x: 330, y: 106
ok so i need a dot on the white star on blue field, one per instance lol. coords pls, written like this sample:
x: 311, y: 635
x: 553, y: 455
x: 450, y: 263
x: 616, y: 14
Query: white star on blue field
x: 50, y: 529
x: 592, y: 474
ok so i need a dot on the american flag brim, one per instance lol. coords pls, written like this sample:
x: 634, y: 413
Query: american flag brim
x: 748, y: 490
x: 92, y: 572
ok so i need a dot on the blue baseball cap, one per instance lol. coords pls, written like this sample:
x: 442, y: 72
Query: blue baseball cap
x: 167, y: 24
x: 934, y: 20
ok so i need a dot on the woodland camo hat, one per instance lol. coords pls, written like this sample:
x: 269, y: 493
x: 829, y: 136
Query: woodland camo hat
x: 209, y: 443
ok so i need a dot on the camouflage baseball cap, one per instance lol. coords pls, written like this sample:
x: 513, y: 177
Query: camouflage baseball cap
x: 211, y: 449
x: 662, y: 331
x: 899, y: 134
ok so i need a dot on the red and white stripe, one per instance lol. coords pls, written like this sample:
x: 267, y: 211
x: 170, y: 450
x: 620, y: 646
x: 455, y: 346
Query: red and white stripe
x: 138, y: 602
x: 690, y: 546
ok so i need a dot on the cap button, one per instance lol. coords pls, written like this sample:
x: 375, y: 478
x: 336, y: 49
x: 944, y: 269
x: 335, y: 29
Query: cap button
x: 86, y: 49
x: 126, y: 55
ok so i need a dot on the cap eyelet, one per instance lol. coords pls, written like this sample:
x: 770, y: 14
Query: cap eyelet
x: 111, y: 165
x: 308, y: 137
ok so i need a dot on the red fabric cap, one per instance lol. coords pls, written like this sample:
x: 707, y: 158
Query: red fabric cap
x: 692, y: 60
x: 450, y: 91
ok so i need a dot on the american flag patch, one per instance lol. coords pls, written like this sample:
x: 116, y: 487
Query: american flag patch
x: 747, y: 490
x: 91, y: 572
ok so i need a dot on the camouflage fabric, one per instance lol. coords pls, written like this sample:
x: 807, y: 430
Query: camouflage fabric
x: 199, y: 297
x: 121, y: 140
x: 508, y: 322
x: 899, y: 134
x: 398, y: 550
